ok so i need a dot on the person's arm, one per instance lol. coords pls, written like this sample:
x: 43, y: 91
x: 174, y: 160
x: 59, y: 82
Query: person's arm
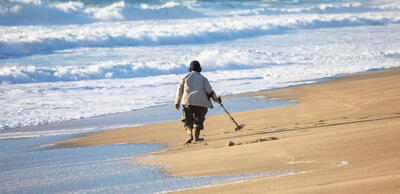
x: 179, y: 93
x: 210, y: 92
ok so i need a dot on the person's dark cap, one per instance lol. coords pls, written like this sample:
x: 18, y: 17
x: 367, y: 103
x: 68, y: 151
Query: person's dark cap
x: 195, y: 66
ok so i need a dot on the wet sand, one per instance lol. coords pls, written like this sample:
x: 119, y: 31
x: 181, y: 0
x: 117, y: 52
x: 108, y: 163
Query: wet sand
x: 342, y: 137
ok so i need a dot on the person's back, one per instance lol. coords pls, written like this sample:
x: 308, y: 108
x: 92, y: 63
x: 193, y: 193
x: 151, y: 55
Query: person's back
x: 194, y: 91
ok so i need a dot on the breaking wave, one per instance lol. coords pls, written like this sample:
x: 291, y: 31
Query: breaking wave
x: 47, y: 12
x: 232, y: 60
x: 28, y: 40
x: 41, y: 12
x: 33, y: 74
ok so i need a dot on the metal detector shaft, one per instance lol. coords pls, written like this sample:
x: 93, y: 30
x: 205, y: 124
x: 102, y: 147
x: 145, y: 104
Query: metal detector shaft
x: 233, y: 120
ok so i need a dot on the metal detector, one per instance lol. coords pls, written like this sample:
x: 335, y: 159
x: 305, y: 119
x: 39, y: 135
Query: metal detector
x: 238, y: 127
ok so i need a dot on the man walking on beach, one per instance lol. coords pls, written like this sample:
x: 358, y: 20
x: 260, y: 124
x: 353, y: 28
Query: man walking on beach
x: 194, y: 91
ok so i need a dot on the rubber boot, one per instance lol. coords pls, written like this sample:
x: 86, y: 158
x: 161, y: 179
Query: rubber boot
x: 190, y: 135
x: 197, y: 135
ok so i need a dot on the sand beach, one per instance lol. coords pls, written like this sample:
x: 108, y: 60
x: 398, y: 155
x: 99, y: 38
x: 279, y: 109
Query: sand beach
x: 342, y: 137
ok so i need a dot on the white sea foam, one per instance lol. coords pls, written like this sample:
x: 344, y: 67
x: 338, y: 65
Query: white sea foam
x: 27, y: 40
x: 42, y: 12
x: 344, y: 7
x: 24, y: 12
x: 68, y: 7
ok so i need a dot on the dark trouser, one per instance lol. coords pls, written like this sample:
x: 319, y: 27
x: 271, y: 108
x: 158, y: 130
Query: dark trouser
x: 193, y: 117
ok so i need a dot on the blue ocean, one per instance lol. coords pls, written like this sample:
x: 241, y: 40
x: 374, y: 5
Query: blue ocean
x: 68, y: 67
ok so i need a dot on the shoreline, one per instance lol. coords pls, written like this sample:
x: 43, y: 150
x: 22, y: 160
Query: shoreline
x: 340, y: 128
x: 67, y: 124
x: 159, y: 114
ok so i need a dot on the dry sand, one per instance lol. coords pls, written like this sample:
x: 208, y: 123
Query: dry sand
x: 342, y: 137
